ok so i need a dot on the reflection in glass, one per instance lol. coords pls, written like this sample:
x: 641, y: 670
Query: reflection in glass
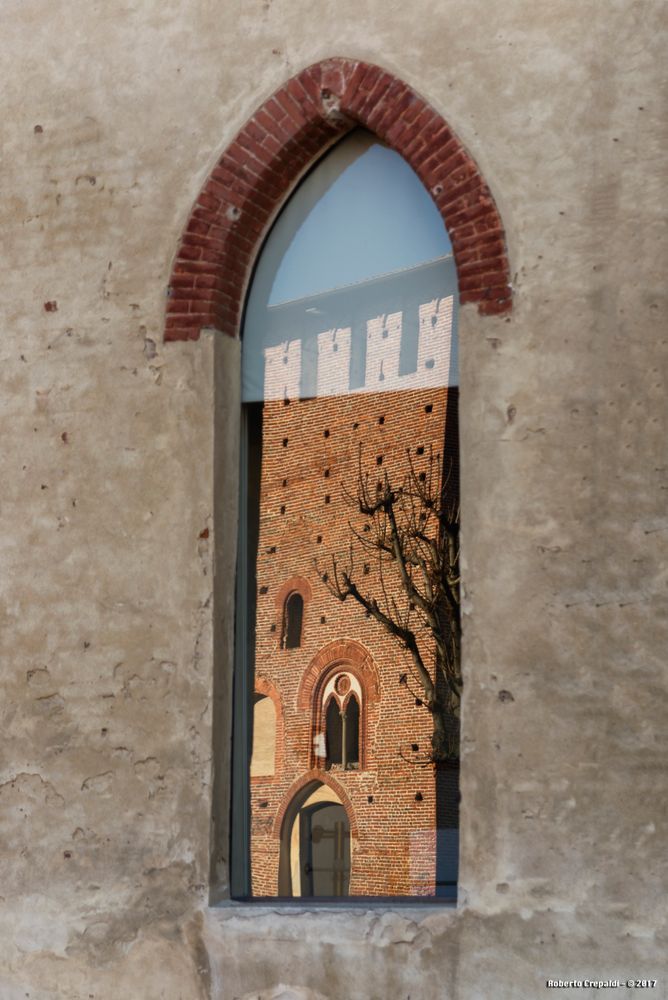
x: 292, y: 621
x: 355, y: 286
x: 352, y: 725
x: 349, y: 368
x: 333, y: 733
x: 264, y: 737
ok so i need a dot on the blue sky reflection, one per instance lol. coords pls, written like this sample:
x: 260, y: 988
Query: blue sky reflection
x: 376, y: 217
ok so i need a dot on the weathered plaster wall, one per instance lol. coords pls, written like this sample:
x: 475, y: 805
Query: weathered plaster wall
x: 113, y: 114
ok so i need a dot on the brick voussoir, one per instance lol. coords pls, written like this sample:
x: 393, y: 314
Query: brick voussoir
x: 250, y: 182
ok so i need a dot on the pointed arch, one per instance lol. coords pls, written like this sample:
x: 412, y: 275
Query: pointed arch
x: 333, y: 731
x: 351, y: 707
x: 291, y: 130
x: 347, y: 653
x: 302, y: 787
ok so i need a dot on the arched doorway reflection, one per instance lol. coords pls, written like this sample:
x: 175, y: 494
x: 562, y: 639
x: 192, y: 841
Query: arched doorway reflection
x: 315, y: 845
x: 324, y: 850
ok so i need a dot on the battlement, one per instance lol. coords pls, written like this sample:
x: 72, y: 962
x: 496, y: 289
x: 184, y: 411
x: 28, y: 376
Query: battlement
x: 387, y: 342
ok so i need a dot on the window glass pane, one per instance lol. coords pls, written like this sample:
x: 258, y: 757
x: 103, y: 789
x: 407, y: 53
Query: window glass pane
x: 350, y: 393
x: 330, y: 265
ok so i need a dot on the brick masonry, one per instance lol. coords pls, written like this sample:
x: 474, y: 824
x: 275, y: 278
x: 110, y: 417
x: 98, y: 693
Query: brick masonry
x: 393, y: 800
x: 293, y: 128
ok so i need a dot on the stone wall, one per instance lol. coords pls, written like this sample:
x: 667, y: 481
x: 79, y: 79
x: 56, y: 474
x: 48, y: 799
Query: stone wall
x: 114, y: 115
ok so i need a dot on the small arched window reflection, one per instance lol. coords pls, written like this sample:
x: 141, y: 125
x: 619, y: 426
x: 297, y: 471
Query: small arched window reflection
x: 342, y: 733
x: 293, y: 613
x: 333, y: 733
x: 352, y: 729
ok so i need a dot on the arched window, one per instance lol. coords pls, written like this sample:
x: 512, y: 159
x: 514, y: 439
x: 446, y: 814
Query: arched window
x: 365, y: 252
x: 341, y: 696
x: 351, y: 712
x: 333, y: 733
x: 293, y: 612
x: 349, y: 388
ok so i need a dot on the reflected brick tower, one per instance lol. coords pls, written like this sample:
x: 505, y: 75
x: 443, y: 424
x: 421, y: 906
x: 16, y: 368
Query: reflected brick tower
x: 391, y: 804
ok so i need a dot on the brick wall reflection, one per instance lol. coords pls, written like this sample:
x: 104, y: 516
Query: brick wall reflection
x: 310, y: 453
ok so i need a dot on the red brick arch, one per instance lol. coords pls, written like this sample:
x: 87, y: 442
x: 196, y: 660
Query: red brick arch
x: 296, y: 584
x: 322, y: 779
x: 344, y: 654
x: 293, y: 128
